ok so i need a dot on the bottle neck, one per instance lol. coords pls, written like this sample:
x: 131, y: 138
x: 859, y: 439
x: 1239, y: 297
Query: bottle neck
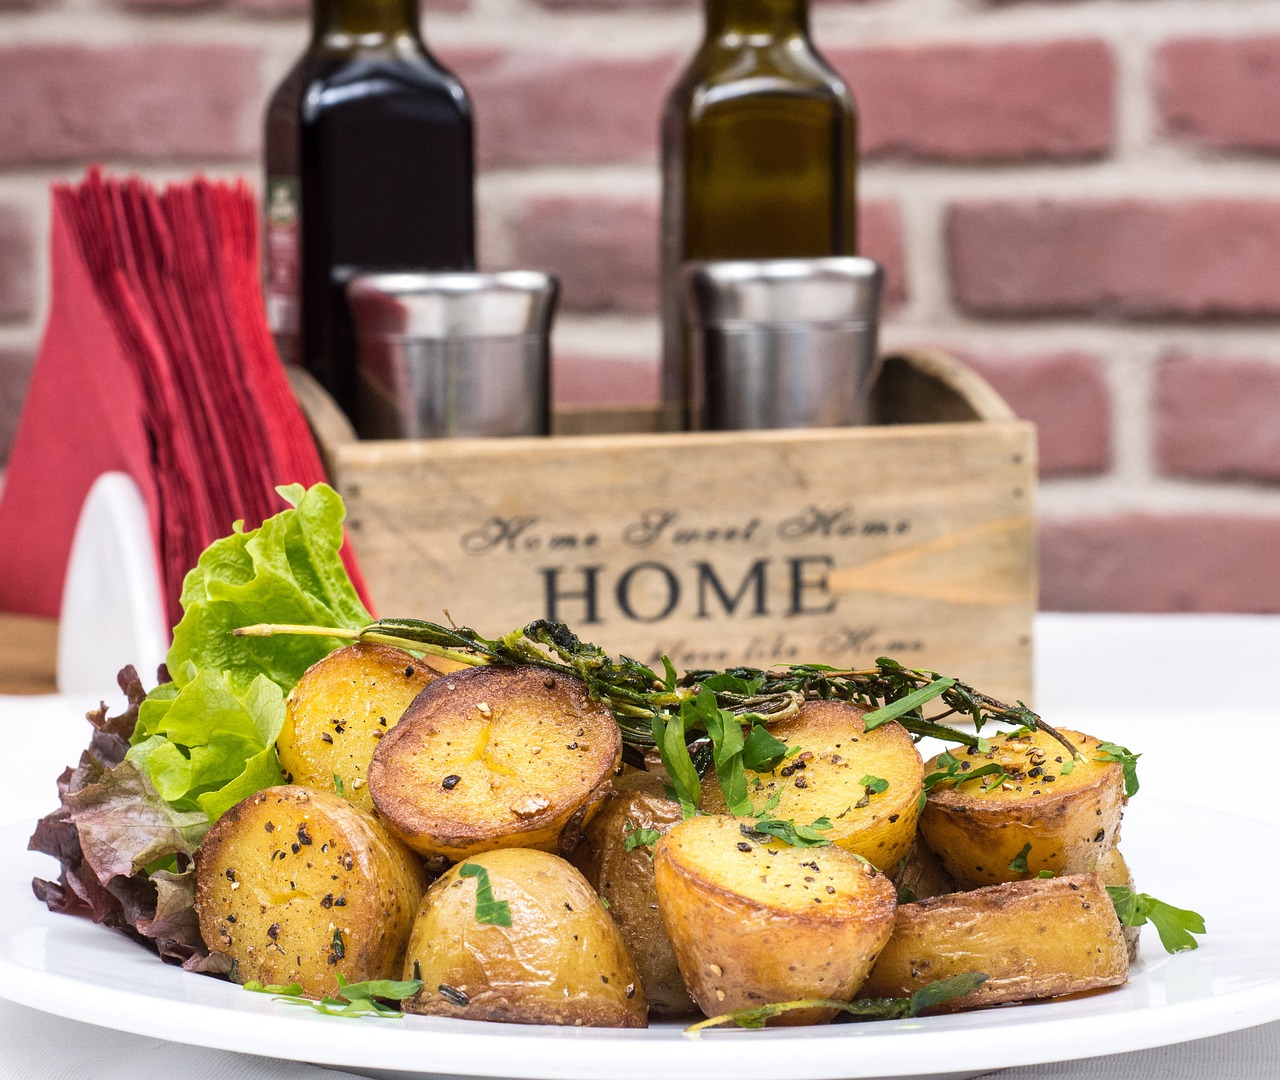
x: 363, y: 22
x: 764, y: 18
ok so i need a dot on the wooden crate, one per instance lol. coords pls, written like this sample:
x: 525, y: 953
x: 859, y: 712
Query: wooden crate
x: 913, y: 537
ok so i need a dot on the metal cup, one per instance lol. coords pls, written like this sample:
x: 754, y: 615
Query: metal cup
x: 448, y: 355
x: 781, y: 343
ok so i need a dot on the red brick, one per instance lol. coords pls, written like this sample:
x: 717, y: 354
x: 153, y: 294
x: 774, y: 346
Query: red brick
x: 1006, y: 102
x: 1148, y: 563
x: 297, y: 8
x: 579, y: 379
x: 1221, y: 92
x: 1065, y: 395
x: 880, y: 238
x: 603, y: 250
x: 15, y: 374
x: 161, y: 102
x: 1218, y: 418
x: 536, y: 108
x: 17, y: 264
x: 1127, y: 258
x: 612, y: 5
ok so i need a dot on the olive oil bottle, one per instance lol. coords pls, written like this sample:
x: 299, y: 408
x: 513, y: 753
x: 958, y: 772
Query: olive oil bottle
x: 759, y: 152
x: 369, y: 166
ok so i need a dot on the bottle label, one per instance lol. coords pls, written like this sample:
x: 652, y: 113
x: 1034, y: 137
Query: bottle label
x: 284, y: 269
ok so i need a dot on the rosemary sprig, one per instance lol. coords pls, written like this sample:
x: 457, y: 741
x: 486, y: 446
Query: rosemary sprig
x: 637, y: 696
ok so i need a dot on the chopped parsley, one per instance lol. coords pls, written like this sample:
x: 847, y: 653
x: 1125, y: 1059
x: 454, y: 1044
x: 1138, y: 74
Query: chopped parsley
x: 1019, y: 864
x: 350, y: 999
x: 1128, y: 761
x: 927, y: 997
x: 488, y: 910
x: 636, y: 837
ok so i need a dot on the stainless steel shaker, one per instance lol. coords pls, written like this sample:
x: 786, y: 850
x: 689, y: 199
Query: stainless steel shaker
x: 452, y: 354
x: 781, y: 343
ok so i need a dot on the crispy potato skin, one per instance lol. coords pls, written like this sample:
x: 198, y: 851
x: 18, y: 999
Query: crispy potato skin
x: 562, y: 960
x: 299, y: 886
x: 753, y: 923
x: 1035, y: 939
x: 495, y: 757
x: 823, y: 780
x: 1068, y: 821
x: 625, y: 879
x: 339, y: 710
x: 1113, y: 870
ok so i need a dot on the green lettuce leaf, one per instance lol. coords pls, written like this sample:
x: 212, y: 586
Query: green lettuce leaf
x: 289, y: 570
x: 206, y: 746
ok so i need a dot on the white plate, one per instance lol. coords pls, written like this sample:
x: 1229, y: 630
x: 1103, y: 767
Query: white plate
x: 70, y: 967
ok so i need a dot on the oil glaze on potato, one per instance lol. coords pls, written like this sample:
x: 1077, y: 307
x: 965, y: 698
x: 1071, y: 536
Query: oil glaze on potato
x: 1034, y: 939
x: 561, y: 961
x: 754, y: 922
x: 1068, y: 817
x: 825, y: 780
x: 301, y: 886
x: 338, y: 711
x: 625, y: 879
x: 495, y: 757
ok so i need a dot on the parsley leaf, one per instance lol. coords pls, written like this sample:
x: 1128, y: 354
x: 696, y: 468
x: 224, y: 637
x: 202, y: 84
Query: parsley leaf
x: 874, y: 784
x: 789, y: 832
x: 636, y: 837
x: 927, y: 997
x: 1019, y: 864
x: 488, y: 910
x: 351, y: 999
x: 763, y: 751
x: 1174, y: 925
x: 1127, y: 759
x: 953, y: 771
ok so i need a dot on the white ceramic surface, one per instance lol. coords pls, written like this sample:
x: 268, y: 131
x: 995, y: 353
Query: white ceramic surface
x: 69, y: 967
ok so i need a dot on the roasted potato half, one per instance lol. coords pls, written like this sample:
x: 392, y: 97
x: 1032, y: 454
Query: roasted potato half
x: 636, y: 807
x: 920, y: 875
x: 495, y: 757
x: 1034, y: 939
x: 1114, y: 871
x: 301, y: 886
x: 755, y: 921
x: 1068, y: 812
x: 338, y: 711
x: 830, y: 778
x: 560, y: 961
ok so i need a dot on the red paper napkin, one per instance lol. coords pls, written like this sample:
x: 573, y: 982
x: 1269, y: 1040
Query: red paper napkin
x: 156, y: 361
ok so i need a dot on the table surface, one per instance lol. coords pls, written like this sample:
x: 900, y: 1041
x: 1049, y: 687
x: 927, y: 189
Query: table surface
x: 1139, y: 671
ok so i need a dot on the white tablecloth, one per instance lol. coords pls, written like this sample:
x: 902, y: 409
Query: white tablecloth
x: 1134, y: 679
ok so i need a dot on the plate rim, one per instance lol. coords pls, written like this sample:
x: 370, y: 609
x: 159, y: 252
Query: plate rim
x: 943, y: 1043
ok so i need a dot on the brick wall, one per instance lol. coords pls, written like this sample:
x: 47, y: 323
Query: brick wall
x: 1081, y: 198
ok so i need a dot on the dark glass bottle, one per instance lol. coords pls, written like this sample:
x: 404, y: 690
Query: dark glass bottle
x: 759, y: 154
x: 370, y: 166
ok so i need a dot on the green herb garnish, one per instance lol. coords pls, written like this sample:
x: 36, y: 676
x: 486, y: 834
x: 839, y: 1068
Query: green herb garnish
x: 636, y: 837
x: 350, y: 999
x: 789, y: 832
x: 1109, y: 751
x: 1174, y: 925
x: 1019, y: 863
x: 337, y: 785
x: 927, y: 997
x: 488, y: 910
x: 874, y: 784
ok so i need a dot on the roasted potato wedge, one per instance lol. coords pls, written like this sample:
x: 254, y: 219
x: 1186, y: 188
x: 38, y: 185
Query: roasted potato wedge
x: 1069, y: 813
x: 338, y: 711
x: 826, y: 779
x: 1034, y: 939
x: 495, y: 757
x: 755, y: 921
x: 625, y: 879
x: 561, y: 960
x: 301, y: 886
